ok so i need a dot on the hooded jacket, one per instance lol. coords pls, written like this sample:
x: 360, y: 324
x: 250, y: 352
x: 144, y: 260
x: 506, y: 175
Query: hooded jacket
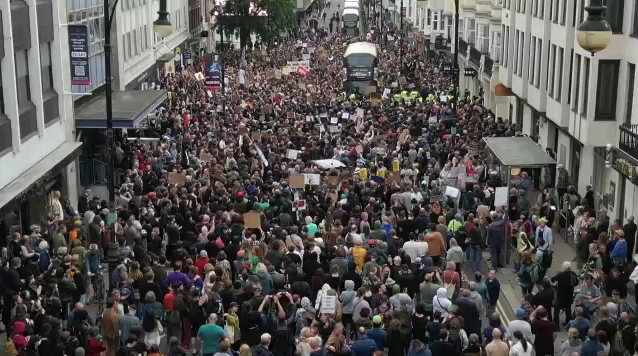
x: 347, y: 298
x: 265, y: 279
x: 476, y: 298
x: 441, y: 303
x: 359, y: 305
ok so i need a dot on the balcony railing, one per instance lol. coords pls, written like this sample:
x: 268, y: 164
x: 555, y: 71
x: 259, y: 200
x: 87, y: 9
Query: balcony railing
x: 462, y: 46
x: 475, y: 56
x: 488, y: 65
x: 629, y: 139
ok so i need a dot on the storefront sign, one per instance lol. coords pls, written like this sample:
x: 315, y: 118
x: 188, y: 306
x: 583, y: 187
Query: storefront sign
x: 447, y: 68
x: 470, y: 72
x: 79, y: 54
x: 627, y: 169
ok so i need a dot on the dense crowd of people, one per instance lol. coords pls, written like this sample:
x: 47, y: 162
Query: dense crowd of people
x: 225, y: 253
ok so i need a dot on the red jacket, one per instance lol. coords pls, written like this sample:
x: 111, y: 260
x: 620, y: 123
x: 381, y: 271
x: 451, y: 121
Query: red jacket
x: 94, y: 347
x: 200, y: 262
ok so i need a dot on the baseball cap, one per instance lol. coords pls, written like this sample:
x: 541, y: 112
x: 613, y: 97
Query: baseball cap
x: 520, y: 313
x: 377, y: 319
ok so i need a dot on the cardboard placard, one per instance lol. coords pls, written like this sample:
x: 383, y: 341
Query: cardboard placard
x: 403, y: 136
x: 359, y: 149
x: 206, y: 157
x: 332, y: 181
x: 297, y: 181
x: 292, y: 154
x: 394, y: 177
x: 309, y: 100
x: 176, y: 178
x: 375, y: 102
x: 235, y: 97
x: 252, y: 220
x: 255, y: 135
x: 242, y: 129
x: 290, y: 115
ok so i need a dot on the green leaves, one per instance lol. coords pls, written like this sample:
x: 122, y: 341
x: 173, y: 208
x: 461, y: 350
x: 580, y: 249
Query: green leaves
x: 264, y: 18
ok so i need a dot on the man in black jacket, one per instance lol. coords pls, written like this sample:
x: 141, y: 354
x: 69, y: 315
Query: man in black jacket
x: 443, y: 346
x: 470, y: 313
x: 11, y: 287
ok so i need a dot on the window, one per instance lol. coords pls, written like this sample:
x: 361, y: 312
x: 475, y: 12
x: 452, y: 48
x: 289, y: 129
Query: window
x: 539, y: 60
x: 471, y: 31
x: 429, y: 17
x: 577, y: 73
x: 563, y: 12
x: 559, y: 74
x: 634, y: 26
x: 1, y: 91
x: 571, y: 77
x: 45, y: 66
x: 614, y: 14
x: 495, y: 51
x: 483, y: 38
x: 435, y: 21
x: 541, y: 9
x: 461, y: 29
x: 586, y: 69
x: 516, y: 51
x: 136, y: 47
x: 550, y: 71
x: 448, y: 26
x: 535, y: 7
x: 607, y: 89
x: 521, y: 44
x: 22, y: 78
x: 532, y: 61
x: 582, y: 16
x: 574, y: 15
x: 553, y: 10
x: 129, y: 44
x: 631, y: 70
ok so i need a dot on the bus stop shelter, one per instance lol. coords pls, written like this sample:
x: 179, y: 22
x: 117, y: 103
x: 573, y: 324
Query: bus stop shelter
x: 520, y: 152
x: 514, y: 155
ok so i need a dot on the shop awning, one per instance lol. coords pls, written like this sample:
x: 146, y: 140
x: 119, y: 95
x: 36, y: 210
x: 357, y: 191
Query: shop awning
x: 165, y: 58
x: 51, y: 163
x: 130, y: 109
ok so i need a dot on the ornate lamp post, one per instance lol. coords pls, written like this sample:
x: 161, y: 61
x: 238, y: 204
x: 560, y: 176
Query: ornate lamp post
x: 594, y: 34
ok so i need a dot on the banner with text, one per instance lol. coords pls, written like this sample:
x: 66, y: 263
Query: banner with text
x: 213, y: 74
x: 79, y: 54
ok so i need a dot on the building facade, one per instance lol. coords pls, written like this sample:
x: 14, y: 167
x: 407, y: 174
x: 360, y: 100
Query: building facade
x: 480, y: 33
x: 571, y: 102
x: 141, y: 55
x: 37, y: 141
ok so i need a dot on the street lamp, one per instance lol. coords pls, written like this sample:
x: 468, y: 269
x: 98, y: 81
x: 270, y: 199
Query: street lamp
x: 456, y: 70
x: 401, y: 41
x: 163, y: 28
x: 594, y: 34
x: 219, y: 14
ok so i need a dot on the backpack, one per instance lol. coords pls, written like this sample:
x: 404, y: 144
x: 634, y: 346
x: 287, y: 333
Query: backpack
x: 618, y: 343
x: 534, y: 273
x: 455, y: 339
x: 10, y: 348
x: 546, y: 259
x: 149, y: 320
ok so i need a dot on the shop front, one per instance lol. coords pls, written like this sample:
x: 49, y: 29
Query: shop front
x: 145, y: 79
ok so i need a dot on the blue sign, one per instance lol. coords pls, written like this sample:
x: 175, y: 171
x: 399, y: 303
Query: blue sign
x: 79, y: 54
x: 213, y: 74
x: 187, y: 55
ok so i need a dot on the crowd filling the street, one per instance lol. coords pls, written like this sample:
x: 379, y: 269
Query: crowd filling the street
x: 329, y: 193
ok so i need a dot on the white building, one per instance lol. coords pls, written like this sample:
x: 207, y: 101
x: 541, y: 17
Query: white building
x: 573, y: 102
x: 141, y: 54
x: 479, y: 37
x: 37, y: 144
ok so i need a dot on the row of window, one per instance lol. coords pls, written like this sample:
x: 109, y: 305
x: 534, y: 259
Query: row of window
x: 554, y: 58
x: 22, y: 72
x: 559, y: 10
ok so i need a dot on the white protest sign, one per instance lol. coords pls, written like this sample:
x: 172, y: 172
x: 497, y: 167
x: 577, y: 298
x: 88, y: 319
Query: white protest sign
x: 312, y: 179
x: 292, y: 154
x: 294, y: 64
x: 334, y: 120
x: 328, y: 304
x: 305, y: 56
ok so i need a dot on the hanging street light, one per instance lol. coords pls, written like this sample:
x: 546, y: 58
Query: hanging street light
x: 594, y: 34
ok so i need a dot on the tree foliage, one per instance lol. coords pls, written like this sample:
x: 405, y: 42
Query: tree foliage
x: 243, y: 16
